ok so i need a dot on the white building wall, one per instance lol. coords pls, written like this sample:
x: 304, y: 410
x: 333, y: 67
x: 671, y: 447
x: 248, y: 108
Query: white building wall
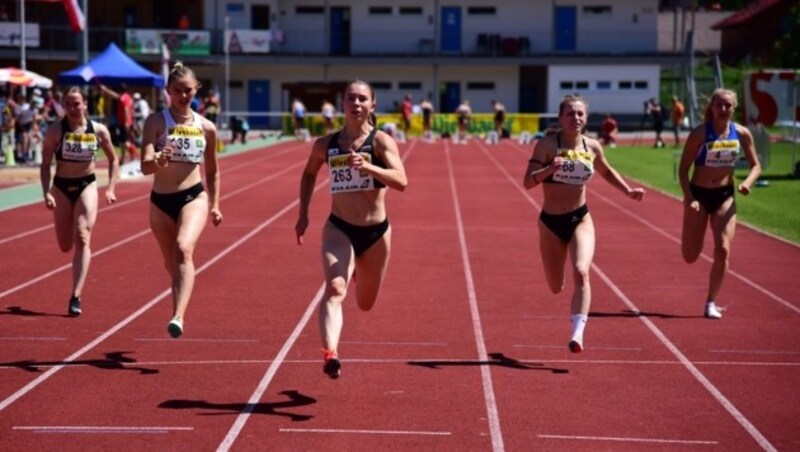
x: 612, y: 100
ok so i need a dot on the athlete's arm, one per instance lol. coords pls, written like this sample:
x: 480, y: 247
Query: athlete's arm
x: 48, y: 150
x: 693, y: 143
x: 394, y: 175
x: 104, y: 137
x: 611, y: 175
x: 541, y: 165
x: 212, y: 171
x: 746, y: 138
x: 307, y: 181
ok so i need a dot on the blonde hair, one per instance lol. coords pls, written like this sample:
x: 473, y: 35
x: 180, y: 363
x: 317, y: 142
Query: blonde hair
x: 570, y: 98
x: 180, y: 70
x: 719, y: 92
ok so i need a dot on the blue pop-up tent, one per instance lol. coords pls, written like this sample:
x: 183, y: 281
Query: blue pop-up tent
x: 111, y: 67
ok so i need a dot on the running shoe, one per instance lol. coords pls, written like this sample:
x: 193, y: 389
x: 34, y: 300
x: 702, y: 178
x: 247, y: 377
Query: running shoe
x: 576, y: 344
x: 75, y: 306
x: 175, y: 327
x: 712, y: 311
x: 332, y: 367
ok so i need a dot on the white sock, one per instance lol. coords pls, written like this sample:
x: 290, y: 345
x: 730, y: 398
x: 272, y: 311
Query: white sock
x: 578, y: 324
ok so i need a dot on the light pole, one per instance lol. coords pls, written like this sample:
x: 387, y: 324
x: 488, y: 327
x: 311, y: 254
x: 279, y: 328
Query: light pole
x: 227, y: 69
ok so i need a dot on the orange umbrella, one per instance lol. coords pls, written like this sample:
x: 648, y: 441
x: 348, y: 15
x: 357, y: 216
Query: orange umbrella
x: 17, y: 76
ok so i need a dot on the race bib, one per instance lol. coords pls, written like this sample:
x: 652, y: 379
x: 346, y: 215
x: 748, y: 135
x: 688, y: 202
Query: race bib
x: 577, y: 169
x: 79, y: 147
x: 188, y: 142
x: 346, y: 179
x: 722, y: 153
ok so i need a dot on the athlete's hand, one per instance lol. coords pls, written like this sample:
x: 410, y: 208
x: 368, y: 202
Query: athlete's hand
x: 558, y: 162
x: 356, y: 161
x: 744, y: 189
x: 111, y: 197
x: 216, y: 216
x: 300, y: 229
x: 49, y: 201
x: 694, y: 205
x: 636, y: 193
x: 163, y: 157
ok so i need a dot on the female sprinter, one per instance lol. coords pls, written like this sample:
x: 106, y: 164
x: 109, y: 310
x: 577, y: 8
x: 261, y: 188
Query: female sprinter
x: 362, y: 162
x: 74, y: 141
x: 563, y: 162
x: 176, y: 141
x: 713, y: 148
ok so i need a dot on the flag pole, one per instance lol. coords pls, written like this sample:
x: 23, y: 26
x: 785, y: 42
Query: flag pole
x: 84, y: 54
x: 22, y: 34
x: 227, y: 69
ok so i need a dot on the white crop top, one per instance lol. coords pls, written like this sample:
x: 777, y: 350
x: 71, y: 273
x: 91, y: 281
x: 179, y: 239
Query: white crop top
x: 188, y: 141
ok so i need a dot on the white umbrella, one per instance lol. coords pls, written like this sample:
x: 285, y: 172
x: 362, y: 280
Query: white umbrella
x: 17, y: 76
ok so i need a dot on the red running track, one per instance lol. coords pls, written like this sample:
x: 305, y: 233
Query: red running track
x: 465, y: 350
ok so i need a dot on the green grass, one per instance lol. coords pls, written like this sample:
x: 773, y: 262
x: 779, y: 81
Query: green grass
x: 775, y: 208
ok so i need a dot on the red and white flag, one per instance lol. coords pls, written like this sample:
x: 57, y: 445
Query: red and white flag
x: 76, y: 18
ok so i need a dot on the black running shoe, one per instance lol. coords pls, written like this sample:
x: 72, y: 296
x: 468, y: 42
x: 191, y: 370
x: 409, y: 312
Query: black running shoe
x: 332, y: 367
x: 75, y: 306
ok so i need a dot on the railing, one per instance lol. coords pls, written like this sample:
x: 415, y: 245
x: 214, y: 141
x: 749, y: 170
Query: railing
x: 491, y: 43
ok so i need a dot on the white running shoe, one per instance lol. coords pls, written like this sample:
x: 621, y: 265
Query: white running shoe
x: 576, y: 344
x: 712, y: 311
x: 175, y: 327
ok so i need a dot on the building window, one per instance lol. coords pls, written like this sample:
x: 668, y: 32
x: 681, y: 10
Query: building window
x: 596, y: 10
x: 640, y: 84
x: 380, y: 10
x: 309, y: 10
x: 566, y: 85
x: 381, y: 86
x: 482, y: 11
x: 625, y: 85
x: 411, y: 10
x: 480, y: 86
x: 605, y: 84
x: 409, y: 86
x: 582, y: 85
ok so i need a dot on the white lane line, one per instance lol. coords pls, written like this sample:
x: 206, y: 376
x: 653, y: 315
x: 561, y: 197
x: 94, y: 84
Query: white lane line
x: 139, y: 234
x: 716, y: 393
x: 363, y: 432
x: 758, y: 352
x: 628, y: 440
x: 493, y: 417
x: 705, y: 257
x: 68, y: 360
x: 33, y: 338
x: 211, y: 340
x: 705, y: 382
x: 594, y: 347
x: 238, y: 425
x: 84, y: 429
x: 244, y: 415
x: 415, y: 344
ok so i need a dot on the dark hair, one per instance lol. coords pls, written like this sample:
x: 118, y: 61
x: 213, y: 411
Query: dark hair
x: 372, y: 120
x: 178, y: 71
x: 73, y: 89
x: 570, y: 98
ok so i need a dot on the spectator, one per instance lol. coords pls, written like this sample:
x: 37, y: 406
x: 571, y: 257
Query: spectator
x: 183, y: 22
x: 124, y: 117
x: 211, y: 106
x: 299, y: 116
x: 676, y: 116
x: 23, y: 123
x: 656, y: 115
x: 53, y: 109
x: 463, y: 112
x: 141, y: 110
x: 499, y: 117
x: 407, y: 110
x: 427, y: 114
x: 328, y: 112
x: 609, y: 131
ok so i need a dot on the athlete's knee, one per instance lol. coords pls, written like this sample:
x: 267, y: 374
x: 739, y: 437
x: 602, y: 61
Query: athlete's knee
x: 336, y: 289
x: 184, y: 250
x: 722, y: 253
x: 555, y: 286
x: 581, y: 275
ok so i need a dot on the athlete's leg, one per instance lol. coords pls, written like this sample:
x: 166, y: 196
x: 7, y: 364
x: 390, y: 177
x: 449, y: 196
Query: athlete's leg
x: 694, y: 232
x: 723, y: 227
x: 63, y: 220
x: 371, y: 268
x: 85, y: 212
x: 337, y: 265
x: 191, y: 222
x: 554, y: 255
x: 582, y: 248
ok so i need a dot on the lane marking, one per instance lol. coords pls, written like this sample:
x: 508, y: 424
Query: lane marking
x: 493, y: 417
x: 363, y: 432
x: 33, y: 338
x: 172, y: 341
x: 561, y: 347
x: 85, y: 429
x: 417, y: 344
x: 628, y: 440
x: 705, y: 382
x: 136, y: 314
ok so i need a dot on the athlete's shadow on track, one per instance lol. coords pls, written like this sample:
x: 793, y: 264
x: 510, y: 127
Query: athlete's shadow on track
x: 634, y: 314
x: 296, y: 399
x: 496, y: 359
x: 112, y: 361
x: 19, y: 310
